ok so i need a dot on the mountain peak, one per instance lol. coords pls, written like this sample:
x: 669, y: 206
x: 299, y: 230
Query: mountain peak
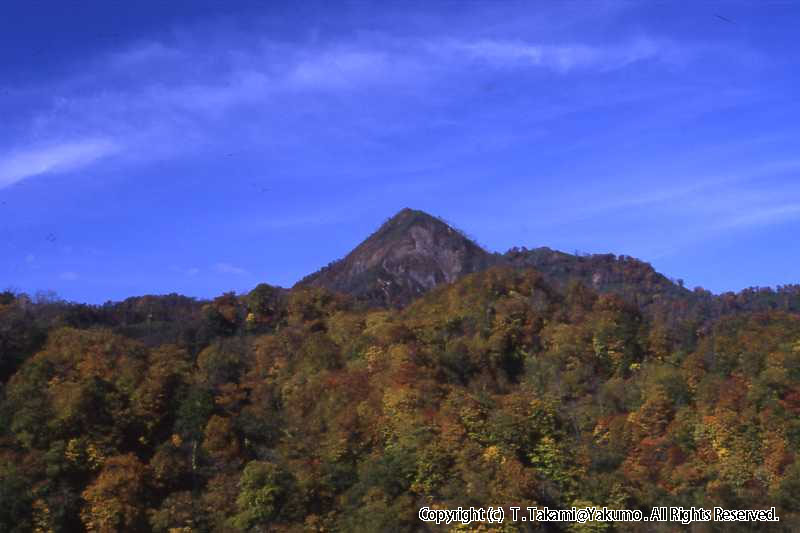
x: 407, y: 212
x: 409, y: 254
x: 411, y: 215
x: 402, y: 224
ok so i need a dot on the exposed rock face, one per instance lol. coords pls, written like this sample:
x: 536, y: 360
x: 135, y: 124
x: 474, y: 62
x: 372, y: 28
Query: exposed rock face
x: 410, y: 254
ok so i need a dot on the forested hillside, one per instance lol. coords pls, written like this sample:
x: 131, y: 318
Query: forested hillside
x: 420, y: 370
x: 303, y: 410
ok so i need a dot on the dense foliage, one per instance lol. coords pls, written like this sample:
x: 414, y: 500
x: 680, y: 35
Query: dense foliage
x: 303, y: 411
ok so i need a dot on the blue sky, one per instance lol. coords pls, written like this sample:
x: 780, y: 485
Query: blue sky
x: 153, y: 147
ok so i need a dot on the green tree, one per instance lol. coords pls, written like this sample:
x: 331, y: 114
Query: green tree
x: 264, y: 494
x: 15, y: 500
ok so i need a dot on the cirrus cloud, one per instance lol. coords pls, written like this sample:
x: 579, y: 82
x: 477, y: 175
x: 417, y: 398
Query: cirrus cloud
x: 227, y: 268
x: 60, y: 157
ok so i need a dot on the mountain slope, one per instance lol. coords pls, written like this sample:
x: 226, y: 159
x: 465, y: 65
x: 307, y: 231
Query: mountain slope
x: 413, y: 252
x: 636, y: 281
x: 409, y: 254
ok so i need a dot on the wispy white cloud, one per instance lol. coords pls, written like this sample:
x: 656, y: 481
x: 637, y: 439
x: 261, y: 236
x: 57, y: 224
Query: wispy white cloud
x: 295, y: 221
x: 68, y: 276
x: 31, y: 262
x: 144, y: 54
x: 191, y: 272
x: 659, y: 212
x: 227, y: 268
x: 17, y: 166
x: 709, y: 195
x: 561, y: 58
x: 759, y: 216
x: 338, y: 69
x: 168, y: 100
x: 161, y: 101
x: 725, y: 217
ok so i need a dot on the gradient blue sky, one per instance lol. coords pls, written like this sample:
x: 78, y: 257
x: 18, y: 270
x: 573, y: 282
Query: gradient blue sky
x: 199, y: 147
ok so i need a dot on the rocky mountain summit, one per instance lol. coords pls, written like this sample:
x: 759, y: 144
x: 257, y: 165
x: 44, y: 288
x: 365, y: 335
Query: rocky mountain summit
x: 413, y: 252
x: 410, y: 254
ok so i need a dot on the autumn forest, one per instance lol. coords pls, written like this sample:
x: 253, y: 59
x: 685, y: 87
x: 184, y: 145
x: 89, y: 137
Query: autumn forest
x: 370, y: 390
